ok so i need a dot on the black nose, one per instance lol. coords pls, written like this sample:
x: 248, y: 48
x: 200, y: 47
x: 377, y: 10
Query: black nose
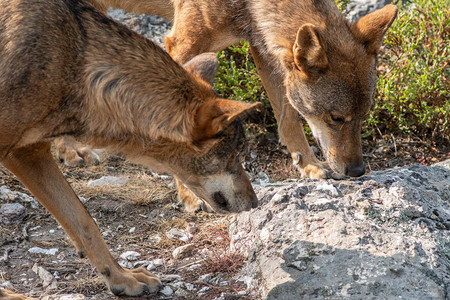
x: 255, y: 202
x: 220, y: 200
x: 356, y: 170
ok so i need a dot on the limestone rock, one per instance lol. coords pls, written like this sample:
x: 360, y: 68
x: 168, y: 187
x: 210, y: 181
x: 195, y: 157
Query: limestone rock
x: 359, y: 8
x: 152, y: 27
x: 166, y: 291
x: 382, y: 236
x: 130, y: 255
x: 108, y: 180
x: 183, y: 251
x: 38, y: 250
x: 48, y: 280
x: 9, y: 196
x: 178, y: 234
x: 12, y: 213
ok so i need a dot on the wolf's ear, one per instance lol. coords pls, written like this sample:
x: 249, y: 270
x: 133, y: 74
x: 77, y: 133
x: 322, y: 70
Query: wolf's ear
x: 370, y: 29
x: 204, y: 66
x: 215, y: 116
x: 309, y: 52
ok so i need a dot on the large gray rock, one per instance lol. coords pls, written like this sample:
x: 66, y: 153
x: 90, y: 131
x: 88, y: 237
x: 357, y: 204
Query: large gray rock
x: 383, y: 236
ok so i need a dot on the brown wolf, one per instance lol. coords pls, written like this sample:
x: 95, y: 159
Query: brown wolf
x: 67, y: 69
x: 310, y: 58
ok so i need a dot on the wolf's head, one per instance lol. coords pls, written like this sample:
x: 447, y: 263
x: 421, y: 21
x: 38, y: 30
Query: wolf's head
x: 214, y: 172
x: 331, y: 80
x: 209, y: 164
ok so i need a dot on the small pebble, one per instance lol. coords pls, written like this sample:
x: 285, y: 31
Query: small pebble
x: 206, y: 278
x: 130, y: 255
x: 166, y: 291
x: 12, y: 213
x: 108, y: 180
x: 203, y: 290
x: 37, y: 250
x: 194, y: 267
x: 178, y: 234
x: 183, y: 251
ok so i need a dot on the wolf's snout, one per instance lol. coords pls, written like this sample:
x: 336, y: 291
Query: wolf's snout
x: 356, y: 170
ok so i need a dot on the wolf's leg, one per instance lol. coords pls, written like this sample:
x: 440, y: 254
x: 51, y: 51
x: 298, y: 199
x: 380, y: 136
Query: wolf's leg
x: 73, y: 153
x: 290, y: 128
x: 189, y: 200
x: 200, y: 28
x: 37, y: 170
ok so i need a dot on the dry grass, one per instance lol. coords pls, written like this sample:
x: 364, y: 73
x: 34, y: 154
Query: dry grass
x: 142, y: 187
x: 213, y: 249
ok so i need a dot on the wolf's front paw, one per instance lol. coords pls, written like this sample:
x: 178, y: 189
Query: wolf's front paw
x: 73, y: 153
x: 314, y: 171
x: 311, y: 168
x: 189, y: 200
x: 319, y: 171
x: 134, y: 282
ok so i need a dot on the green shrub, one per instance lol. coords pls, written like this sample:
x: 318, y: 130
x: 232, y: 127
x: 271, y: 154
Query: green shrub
x: 414, y: 72
x: 237, y: 76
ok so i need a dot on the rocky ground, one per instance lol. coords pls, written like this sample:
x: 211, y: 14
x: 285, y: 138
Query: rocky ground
x: 138, y: 215
x: 383, y: 236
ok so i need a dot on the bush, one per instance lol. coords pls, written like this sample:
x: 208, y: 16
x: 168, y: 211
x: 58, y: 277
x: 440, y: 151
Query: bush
x: 237, y: 79
x: 237, y: 76
x: 414, y: 72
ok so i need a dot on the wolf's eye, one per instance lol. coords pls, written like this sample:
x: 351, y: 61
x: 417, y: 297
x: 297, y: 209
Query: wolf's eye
x: 337, y: 119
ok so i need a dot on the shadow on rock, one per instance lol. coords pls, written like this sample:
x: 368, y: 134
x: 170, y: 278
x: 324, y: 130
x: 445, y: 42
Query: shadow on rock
x: 319, y: 271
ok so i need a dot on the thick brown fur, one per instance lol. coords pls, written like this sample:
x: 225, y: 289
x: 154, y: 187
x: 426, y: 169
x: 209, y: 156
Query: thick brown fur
x: 68, y: 70
x: 310, y: 58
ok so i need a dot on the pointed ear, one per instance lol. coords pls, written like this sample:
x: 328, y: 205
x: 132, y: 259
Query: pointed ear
x: 215, y: 116
x: 309, y: 52
x: 370, y: 29
x: 204, y: 66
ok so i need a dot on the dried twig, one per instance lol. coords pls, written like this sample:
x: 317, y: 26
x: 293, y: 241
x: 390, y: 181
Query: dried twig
x: 6, y: 254
x: 24, y: 231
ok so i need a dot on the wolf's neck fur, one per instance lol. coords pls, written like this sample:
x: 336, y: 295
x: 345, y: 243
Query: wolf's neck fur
x: 132, y: 87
